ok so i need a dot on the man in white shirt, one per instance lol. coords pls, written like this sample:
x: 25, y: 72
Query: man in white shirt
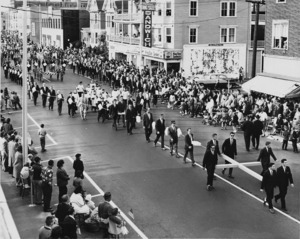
x: 80, y: 89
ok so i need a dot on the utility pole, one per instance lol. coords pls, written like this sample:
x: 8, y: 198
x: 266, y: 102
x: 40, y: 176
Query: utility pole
x: 256, y: 4
x: 24, y: 83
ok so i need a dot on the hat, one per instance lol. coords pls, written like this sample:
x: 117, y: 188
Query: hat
x: 271, y: 164
x: 77, y: 155
x: 283, y: 160
x: 173, y: 122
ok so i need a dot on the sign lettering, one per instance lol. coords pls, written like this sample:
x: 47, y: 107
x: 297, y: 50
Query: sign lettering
x: 147, y: 29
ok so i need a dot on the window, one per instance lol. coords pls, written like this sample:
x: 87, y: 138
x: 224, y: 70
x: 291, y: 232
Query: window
x: 193, y: 35
x: 168, y: 35
x: 159, y: 34
x: 58, y: 23
x: 158, y: 7
x: 280, y: 1
x: 228, y: 9
x: 228, y: 35
x: 280, y: 29
x: 193, y: 8
x: 168, y: 9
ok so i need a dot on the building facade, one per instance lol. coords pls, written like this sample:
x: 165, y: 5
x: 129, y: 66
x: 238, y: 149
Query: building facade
x: 62, y: 27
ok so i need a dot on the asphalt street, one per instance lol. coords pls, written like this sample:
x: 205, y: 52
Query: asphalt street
x: 168, y: 198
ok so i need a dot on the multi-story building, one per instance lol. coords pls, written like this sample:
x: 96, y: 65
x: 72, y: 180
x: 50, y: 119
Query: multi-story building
x: 202, y: 37
x: 4, y: 21
x: 97, y: 23
x: 62, y: 27
x: 281, y: 74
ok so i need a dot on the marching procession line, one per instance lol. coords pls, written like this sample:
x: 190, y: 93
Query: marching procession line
x: 239, y: 188
x: 101, y: 192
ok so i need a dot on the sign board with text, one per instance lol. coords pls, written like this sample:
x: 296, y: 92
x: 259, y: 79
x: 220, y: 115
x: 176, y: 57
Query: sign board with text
x: 147, y: 29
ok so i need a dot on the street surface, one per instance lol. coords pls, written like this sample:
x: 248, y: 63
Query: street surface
x: 168, y: 198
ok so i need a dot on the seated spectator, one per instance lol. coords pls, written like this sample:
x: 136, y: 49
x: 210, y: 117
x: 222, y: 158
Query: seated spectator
x: 78, y: 202
x: 62, y: 209
x: 45, y: 231
x: 24, y: 174
x: 56, y: 233
x: 70, y: 225
x: 77, y: 181
x: 89, y: 202
x: 116, y: 224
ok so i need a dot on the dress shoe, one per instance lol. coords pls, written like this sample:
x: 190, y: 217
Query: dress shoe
x: 265, y: 203
x: 212, y: 188
x: 223, y: 171
x: 208, y: 188
x: 272, y: 210
x: 193, y: 164
x: 284, y: 209
x: 184, y: 160
x: 276, y: 199
x: 230, y: 176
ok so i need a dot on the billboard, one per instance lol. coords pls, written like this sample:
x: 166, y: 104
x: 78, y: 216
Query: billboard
x: 147, y: 29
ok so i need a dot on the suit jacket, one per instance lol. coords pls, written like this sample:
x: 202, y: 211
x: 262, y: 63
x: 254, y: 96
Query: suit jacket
x: 147, y: 121
x: 78, y: 165
x: 210, y: 160
x: 264, y: 156
x: 52, y: 95
x: 229, y: 149
x: 210, y: 143
x: 113, y: 111
x: 129, y: 114
x: 69, y: 227
x: 247, y: 127
x: 257, y: 127
x: 284, y: 177
x: 173, y: 134
x: 62, y: 212
x: 62, y: 177
x: 160, y: 126
x: 188, y: 142
x: 44, y: 91
x: 269, y: 181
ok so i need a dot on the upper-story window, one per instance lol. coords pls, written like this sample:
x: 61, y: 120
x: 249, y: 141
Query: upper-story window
x: 193, y: 35
x: 168, y: 35
x: 228, y: 34
x: 280, y: 1
x: 280, y: 30
x: 169, y: 9
x: 228, y: 9
x: 193, y: 8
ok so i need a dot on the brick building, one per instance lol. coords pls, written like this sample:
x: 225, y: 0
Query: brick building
x: 281, y: 74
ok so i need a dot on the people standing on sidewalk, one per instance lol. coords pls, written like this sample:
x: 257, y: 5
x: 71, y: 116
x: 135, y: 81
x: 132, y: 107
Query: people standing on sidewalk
x: 229, y: 149
x: 264, y: 156
x: 160, y: 131
x: 189, y: 147
x: 295, y: 138
x: 62, y: 179
x: 268, y: 184
x: 62, y: 209
x: 47, y: 178
x: 18, y: 165
x: 42, y: 134
x: 45, y: 231
x: 37, y: 181
x: 284, y: 178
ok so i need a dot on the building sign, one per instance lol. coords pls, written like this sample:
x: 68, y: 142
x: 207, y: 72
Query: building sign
x: 147, y: 29
x: 33, y: 29
x: 173, y: 54
x: 158, y: 53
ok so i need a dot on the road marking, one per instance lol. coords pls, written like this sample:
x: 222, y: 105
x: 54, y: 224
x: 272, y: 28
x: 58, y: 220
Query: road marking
x: 50, y: 145
x: 49, y: 137
x: 97, y: 195
x: 11, y: 112
x: 101, y: 192
x: 237, y: 187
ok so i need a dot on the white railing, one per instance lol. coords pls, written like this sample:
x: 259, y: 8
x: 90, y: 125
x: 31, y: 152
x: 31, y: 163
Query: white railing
x: 124, y: 39
x: 127, y: 17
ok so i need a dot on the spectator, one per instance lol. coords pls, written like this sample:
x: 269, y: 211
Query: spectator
x: 77, y: 181
x: 78, y: 202
x: 56, y: 233
x: 47, y: 178
x: 78, y: 164
x: 37, y: 181
x: 62, y: 209
x: 18, y: 165
x: 45, y: 231
x: 42, y: 134
x: 70, y: 225
x: 62, y: 179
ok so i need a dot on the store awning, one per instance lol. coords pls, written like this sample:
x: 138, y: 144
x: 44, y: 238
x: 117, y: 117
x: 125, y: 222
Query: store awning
x: 271, y: 86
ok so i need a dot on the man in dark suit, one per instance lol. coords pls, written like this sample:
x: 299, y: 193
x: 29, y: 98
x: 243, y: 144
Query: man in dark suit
x: 129, y: 119
x: 264, y: 156
x: 284, y: 178
x: 210, y: 161
x: 52, y: 96
x: 172, y: 132
x: 113, y: 112
x: 268, y: 184
x: 189, y: 147
x: 69, y: 225
x: 62, y: 179
x: 78, y: 164
x: 44, y: 93
x: 147, y: 124
x: 258, y: 127
x: 229, y: 149
x: 160, y: 131
x: 62, y: 209
x: 214, y: 141
x: 247, y: 127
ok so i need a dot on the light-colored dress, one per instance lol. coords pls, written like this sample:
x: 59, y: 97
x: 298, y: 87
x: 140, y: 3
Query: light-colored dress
x: 18, y: 164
